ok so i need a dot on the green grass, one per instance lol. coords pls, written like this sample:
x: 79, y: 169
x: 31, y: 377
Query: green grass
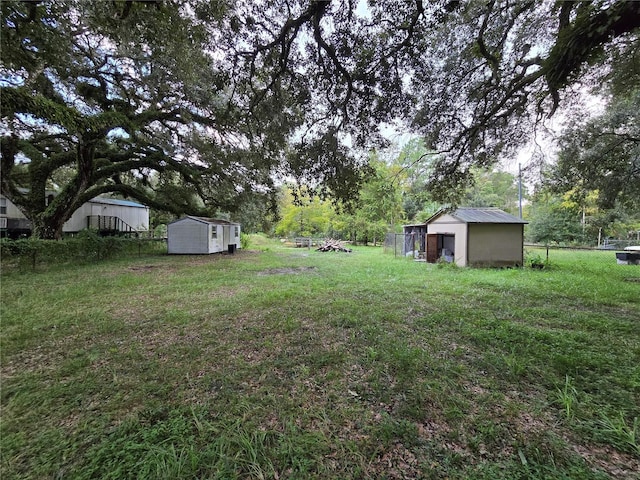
x: 290, y: 363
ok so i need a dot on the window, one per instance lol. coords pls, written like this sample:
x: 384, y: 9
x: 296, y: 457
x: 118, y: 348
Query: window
x: 236, y: 231
x: 3, y: 206
x: 214, y: 232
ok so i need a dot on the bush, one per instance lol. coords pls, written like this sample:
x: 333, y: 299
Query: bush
x: 86, y: 247
x: 245, y: 240
x: 534, y: 260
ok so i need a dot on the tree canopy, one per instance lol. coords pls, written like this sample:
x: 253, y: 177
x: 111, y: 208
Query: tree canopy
x: 143, y: 99
x: 474, y: 78
x: 191, y: 105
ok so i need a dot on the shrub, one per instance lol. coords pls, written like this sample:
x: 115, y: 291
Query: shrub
x: 87, y: 246
x: 245, y: 240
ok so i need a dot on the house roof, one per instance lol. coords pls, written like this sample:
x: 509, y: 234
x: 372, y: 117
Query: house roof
x: 212, y: 221
x: 102, y: 200
x: 479, y: 215
x: 117, y: 201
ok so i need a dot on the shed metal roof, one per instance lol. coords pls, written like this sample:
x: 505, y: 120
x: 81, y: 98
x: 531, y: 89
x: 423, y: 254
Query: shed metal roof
x: 212, y: 221
x: 117, y: 201
x: 480, y: 215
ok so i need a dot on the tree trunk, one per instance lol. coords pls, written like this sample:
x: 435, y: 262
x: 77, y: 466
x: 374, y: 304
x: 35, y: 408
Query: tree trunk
x: 47, y: 227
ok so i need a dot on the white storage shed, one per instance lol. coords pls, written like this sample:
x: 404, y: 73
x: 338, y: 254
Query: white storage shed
x: 200, y: 235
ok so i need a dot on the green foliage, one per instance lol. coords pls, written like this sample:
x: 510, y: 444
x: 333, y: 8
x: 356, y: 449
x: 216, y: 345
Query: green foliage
x: 86, y: 247
x: 567, y: 398
x: 145, y: 126
x: 493, y: 188
x: 199, y: 112
x: 554, y: 221
x: 624, y: 435
x: 600, y: 155
x: 305, y: 215
x: 534, y: 259
x: 441, y: 263
x: 245, y: 240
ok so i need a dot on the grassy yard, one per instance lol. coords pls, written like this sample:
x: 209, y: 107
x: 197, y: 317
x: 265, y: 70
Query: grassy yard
x: 290, y: 363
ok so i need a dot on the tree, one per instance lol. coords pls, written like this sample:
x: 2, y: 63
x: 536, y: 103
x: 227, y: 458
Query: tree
x: 95, y: 104
x: 380, y: 203
x: 603, y: 154
x: 493, y: 188
x: 142, y: 99
x: 474, y: 78
x: 598, y: 164
x: 225, y: 94
x: 304, y: 215
x: 553, y: 220
x: 416, y: 165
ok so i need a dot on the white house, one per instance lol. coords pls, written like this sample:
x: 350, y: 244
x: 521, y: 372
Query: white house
x: 106, y: 215
x: 199, y: 235
x: 476, y: 237
x: 109, y: 215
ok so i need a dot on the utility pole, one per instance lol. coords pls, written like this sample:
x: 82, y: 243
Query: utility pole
x: 520, y: 190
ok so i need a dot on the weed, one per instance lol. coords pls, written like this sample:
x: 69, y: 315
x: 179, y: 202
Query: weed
x: 567, y: 398
x: 534, y: 260
x: 623, y: 435
x: 516, y: 364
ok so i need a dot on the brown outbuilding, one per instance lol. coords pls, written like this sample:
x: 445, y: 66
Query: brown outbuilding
x: 484, y: 237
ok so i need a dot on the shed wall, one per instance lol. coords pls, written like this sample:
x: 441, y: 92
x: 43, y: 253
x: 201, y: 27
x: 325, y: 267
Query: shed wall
x: 188, y: 237
x: 446, y: 224
x: 495, y: 244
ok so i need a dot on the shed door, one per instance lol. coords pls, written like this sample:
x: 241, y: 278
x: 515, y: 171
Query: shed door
x: 432, y: 248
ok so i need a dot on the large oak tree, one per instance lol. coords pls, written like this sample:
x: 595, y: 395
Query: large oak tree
x: 213, y: 98
x: 144, y: 100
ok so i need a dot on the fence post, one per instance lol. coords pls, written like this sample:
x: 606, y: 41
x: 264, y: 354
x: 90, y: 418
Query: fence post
x: 547, y: 254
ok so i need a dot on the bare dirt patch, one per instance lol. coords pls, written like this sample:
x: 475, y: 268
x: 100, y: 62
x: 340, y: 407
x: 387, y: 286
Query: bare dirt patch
x: 286, y: 271
x: 142, y: 268
x: 617, y: 464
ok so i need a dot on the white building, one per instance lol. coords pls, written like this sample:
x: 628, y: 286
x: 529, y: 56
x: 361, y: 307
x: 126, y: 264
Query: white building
x: 109, y: 215
x: 106, y: 215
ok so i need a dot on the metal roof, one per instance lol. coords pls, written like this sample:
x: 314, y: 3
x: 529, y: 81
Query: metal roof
x: 480, y: 215
x: 213, y: 221
x: 116, y: 201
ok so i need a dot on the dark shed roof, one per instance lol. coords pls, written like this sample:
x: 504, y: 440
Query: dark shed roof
x: 480, y: 215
